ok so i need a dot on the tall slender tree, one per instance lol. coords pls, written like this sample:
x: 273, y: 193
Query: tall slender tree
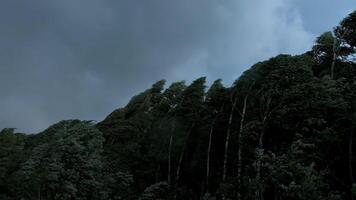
x: 190, y: 110
x: 214, y: 105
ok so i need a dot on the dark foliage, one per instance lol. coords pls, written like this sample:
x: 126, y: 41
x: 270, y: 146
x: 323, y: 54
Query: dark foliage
x: 284, y: 130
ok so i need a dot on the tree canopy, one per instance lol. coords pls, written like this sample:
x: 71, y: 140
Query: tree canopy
x: 284, y: 130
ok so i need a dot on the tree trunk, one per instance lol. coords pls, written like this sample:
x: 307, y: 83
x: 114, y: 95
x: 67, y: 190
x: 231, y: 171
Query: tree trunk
x: 157, y: 172
x: 209, y: 148
x: 239, y: 164
x: 170, y: 154
x: 333, y: 66
x: 208, y: 157
x: 39, y: 194
x: 335, y: 52
x: 350, y: 160
x: 227, y: 140
x: 259, y: 151
x: 182, y: 153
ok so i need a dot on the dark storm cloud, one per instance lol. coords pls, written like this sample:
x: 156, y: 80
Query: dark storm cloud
x: 83, y: 58
x: 323, y: 15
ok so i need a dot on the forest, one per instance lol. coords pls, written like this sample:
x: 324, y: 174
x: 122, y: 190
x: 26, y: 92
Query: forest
x: 284, y: 130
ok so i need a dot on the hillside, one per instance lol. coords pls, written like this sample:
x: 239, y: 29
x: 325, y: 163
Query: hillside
x: 284, y: 130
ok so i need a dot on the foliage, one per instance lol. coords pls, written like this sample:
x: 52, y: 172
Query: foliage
x: 291, y: 135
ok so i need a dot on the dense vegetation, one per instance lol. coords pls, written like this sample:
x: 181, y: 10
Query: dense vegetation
x: 284, y: 130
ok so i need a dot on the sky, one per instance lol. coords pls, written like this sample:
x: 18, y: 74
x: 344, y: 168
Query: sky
x: 82, y: 59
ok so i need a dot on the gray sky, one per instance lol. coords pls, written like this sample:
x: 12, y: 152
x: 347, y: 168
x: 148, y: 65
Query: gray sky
x: 84, y: 58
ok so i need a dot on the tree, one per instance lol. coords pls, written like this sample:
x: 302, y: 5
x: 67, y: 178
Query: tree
x: 11, y: 155
x: 214, y: 105
x: 172, y: 97
x: 283, y: 130
x: 323, y: 48
x: 190, y: 109
x: 157, y: 191
x: 346, y: 32
x: 227, y: 140
x: 67, y: 167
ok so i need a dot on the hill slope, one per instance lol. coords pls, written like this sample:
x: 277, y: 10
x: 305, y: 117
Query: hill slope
x: 284, y: 130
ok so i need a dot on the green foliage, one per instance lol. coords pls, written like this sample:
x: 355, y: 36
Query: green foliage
x: 192, y: 99
x: 116, y: 186
x: 323, y: 47
x: 67, y: 167
x: 353, y: 190
x: 11, y: 156
x: 292, y: 138
x: 157, y: 191
x: 346, y: 32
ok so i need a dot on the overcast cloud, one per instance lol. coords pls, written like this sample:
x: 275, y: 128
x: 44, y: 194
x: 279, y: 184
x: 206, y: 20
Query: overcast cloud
x: 84, y: 58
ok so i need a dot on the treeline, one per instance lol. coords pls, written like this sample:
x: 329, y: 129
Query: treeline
x: 284, y: 130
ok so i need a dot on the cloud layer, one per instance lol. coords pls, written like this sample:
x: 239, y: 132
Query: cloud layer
x: 81, y: 59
